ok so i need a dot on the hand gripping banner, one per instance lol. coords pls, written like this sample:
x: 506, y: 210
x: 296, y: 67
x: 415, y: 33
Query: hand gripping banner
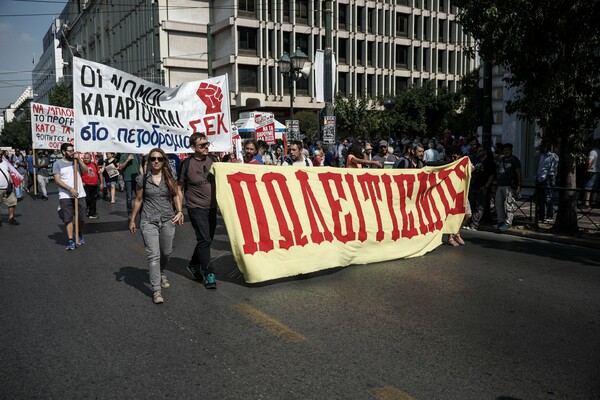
x: 285, y: 221
x: 119, y: 112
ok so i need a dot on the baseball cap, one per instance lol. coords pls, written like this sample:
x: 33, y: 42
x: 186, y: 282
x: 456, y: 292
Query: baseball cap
x: 383, y: 143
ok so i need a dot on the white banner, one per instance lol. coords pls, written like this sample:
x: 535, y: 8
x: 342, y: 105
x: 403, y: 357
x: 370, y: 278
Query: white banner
x: 51, y: 126
x: 320, y: 75
x: 119, y: 112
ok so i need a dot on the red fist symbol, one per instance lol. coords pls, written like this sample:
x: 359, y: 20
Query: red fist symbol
x: 212, y: 96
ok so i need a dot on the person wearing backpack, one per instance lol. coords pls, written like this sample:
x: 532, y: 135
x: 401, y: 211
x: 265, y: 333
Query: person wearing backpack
x: 296, y: 158
x: 413, y: 157
x: 197, y: 185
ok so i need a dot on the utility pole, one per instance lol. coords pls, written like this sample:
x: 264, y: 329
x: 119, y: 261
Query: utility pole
x: 486, y: 132
x: 328, y: 61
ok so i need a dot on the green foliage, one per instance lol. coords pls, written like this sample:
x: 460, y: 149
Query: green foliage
x: 359, y: 118
x: 61, y: 95
x: 552, y: 51
x: 419, y: 111
x: 309, y: 123
x: 17, y: 133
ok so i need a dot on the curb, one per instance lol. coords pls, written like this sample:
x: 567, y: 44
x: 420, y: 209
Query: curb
x: 591, y: 242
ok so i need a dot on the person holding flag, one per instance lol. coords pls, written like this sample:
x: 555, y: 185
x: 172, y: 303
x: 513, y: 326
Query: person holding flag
x: 70, y: 187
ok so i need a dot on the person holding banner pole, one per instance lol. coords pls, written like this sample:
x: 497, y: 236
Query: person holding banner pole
x: 70, y: 188
x: 160, y: 201
x: 197, y: 185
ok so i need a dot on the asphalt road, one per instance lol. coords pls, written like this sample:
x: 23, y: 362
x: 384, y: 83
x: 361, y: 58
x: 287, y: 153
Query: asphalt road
x: 500, y: 318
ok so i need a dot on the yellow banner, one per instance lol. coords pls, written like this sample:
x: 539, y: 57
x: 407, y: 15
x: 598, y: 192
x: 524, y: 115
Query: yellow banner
x: 285, y: 221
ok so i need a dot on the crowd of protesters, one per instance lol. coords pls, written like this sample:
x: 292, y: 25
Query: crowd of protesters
x: 158, y: 185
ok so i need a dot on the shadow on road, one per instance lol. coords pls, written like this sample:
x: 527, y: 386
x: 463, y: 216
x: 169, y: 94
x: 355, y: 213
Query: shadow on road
x: 136, y: 278
x: 541, y: 249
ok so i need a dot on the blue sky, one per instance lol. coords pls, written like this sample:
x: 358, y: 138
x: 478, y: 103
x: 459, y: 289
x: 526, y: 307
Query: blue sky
x: 23, y: 24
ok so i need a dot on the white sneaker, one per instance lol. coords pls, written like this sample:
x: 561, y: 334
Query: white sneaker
x: 164, y: 282
x: 157, y: 297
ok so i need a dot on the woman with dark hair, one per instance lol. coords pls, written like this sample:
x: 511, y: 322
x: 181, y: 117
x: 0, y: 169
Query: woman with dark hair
x: 160, y: 197
x: 356, y: 158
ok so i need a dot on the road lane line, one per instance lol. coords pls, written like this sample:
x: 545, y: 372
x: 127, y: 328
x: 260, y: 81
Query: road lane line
x: 275, y: 327
x: 391, y: 393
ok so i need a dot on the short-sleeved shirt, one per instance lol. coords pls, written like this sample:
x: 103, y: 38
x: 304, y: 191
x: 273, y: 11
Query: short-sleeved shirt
x: 132, y: 170
x: 43, y: 162
x: 90, y: 177
x: 507, y: 171
x: 65, y: 169
x: 482, y: 170
x: 198, y: 182
x: 158, y: 202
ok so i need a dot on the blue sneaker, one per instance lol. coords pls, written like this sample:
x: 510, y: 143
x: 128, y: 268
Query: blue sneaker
x: 195, y: 273
x: 80, y: 241
x: 211, y: 281
x: 71, y: 245
x: 504, y: 227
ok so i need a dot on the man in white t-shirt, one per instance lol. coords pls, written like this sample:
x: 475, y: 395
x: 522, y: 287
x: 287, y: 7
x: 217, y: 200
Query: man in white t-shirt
x: 296, y: 157
x: 64, y: 177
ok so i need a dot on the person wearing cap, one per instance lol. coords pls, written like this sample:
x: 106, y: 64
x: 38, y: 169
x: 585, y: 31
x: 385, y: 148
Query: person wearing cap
x: 43, y: 176
x: 383, y: 155
x: 368, y: 154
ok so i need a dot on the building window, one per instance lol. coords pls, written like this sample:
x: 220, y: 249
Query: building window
x: 302, y: 86
x: 441, y: 29
x: 401, y: 84
x: 286, y: 10
x: 302, y: 42
x: 402, y: 25
x: 360, y: 85
x: 360, y: 19
x: 342, y: 83
x: 342, y: 51
x: 360, y: 52
x: 370, y: 54
x: 302, y: 12
x: 248, y: 41
x: 342, y: 16
x: 248, y: 78
x: 247, y: 7
x: 401, y: 56
x: 371, y: 21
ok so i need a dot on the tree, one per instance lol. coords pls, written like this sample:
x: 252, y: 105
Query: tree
x: 309, y: 123
x: 359, y: 118
x: 61, y: 95
x: 17, y: 133
x: 552, y: 51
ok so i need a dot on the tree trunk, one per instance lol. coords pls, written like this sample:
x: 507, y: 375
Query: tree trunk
x: 566, y: 217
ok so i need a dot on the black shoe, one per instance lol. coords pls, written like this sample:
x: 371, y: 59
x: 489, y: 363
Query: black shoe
x: 197, y: 274
x: 45, y: 198
x: 13, y: 221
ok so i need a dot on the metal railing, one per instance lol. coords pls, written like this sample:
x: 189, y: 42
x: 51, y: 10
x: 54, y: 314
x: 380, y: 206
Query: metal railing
x: 526, y: 212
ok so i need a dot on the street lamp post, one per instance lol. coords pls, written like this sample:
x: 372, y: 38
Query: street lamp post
x: 388, y: 104
x: 291, y: 67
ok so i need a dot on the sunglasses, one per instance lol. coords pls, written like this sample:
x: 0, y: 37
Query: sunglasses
x: 203, y: 145
x: 159, y: 159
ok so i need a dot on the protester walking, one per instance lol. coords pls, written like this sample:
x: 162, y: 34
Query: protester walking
x: 64, y: 177
x: 159, y: 200
x: 508, y: 176
x: 7, y: 192
x: 42, y: 173
x: 197, y: 184
x: 92, y: 182
x: 131, y: 167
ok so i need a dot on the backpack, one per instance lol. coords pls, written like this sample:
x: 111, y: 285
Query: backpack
x: 290, y: 162
x: 402, y: 162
